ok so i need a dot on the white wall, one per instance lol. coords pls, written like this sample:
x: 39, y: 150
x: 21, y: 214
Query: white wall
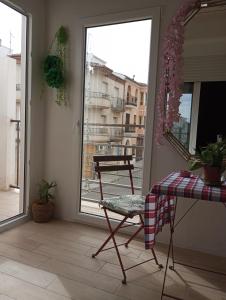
x: 204, y: 229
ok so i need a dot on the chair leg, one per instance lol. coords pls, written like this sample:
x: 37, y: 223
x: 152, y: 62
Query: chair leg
x: 133, y: 236
x: 111, y: 236
x: 138, y: 230
x: 112, y: 232
x: 152, y: 250
x: 116, y: 248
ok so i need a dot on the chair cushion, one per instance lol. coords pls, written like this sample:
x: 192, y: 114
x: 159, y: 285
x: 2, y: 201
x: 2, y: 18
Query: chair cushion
x: 131, y: 205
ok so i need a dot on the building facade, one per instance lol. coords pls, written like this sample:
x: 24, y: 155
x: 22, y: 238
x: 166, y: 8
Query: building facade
x: 7, y: 114
x: 114, y: 114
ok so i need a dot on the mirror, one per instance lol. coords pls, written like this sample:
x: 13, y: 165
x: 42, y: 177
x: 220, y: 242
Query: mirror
x: 202, y: 106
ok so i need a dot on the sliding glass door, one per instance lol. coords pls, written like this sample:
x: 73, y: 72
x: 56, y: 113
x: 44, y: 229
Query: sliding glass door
x: 115, y: 106
x: 13, y: 53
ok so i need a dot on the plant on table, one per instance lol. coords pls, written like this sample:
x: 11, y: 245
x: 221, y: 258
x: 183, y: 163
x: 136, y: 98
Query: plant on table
x: 213, y: 160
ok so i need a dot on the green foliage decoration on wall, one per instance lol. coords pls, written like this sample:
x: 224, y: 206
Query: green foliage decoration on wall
x: 55, y: 64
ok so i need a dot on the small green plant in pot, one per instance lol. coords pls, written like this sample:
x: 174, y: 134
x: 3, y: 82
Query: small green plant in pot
x: 43, y: 208
x: 213, y: 160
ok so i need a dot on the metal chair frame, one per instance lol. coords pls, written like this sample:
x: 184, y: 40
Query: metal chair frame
x: 109, y: 168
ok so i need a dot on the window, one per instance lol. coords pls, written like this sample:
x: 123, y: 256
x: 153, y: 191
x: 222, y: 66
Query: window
x: 13, y: 111
x: 116, y: 92
x: 134, y: 119
x: 105, y: 88
x: 115, y: 120
x: 117, y: 60
x: 181, y: 129
x: 213, y: 93
x: 103, y: 119
x: 142, y: 98
x: 140, y: 120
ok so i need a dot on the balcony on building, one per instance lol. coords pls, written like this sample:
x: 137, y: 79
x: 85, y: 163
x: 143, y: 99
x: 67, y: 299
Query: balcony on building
x: 131, y: 101
x: 98, y: 100
x: 130, y: 128
x: 116, y: 134
x: 117, y: 104
x: 96, y: 133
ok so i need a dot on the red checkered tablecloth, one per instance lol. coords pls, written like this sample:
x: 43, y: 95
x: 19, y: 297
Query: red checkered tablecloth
x: 159, y: 204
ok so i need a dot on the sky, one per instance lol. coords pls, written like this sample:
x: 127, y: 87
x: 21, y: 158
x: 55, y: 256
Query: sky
x: 10, y: 22
x: 125, y: 47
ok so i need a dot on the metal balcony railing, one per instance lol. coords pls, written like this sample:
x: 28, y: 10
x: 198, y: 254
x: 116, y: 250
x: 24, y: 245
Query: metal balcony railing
x: 130, y: 129
x: 113, y: 183
x: 116, y: 133
x: 111, y: 130
x: 96, y: 130
x: 130, y: 100
x: 117, y: 104
x: 97, y: 95
x: 17, y: 151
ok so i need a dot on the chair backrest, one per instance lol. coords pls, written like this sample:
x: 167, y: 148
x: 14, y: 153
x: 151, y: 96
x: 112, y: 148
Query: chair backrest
x: 103, y: 163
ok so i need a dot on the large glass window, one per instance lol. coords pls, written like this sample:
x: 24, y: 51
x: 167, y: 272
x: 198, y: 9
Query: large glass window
x: 116, y: 76
x: 13, y: 45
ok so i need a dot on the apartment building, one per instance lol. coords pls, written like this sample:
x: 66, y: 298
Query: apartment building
x: 8, y: 112
x: 114, y: 113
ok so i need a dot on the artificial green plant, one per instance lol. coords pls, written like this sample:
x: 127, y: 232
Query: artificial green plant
x: 46, y: 190
x: 54, y: 66
x: 212, y: 155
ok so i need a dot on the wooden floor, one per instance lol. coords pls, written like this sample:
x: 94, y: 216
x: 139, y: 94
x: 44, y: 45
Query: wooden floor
x: 52, y: 262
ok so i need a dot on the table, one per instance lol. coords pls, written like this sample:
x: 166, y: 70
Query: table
x: 161, y: 207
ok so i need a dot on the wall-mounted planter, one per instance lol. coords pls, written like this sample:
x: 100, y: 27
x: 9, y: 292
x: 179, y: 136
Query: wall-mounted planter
x: 54, y: 67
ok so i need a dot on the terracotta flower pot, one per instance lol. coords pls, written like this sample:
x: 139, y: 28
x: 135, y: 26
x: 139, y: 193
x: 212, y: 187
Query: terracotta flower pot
x: 212, y: 175
x: 42, y: 212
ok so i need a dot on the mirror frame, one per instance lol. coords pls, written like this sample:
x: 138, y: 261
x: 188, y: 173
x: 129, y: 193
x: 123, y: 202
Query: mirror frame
x: 172, y: 79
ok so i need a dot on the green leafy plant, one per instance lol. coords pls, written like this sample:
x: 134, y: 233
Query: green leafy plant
x: 55, y: 64
x: 53, y: 71
x: 46, y: 190
x: 212, y: 155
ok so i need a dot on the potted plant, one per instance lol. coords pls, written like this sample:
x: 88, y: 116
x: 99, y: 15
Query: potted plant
x: 213, y: 160
x: 43, y: 208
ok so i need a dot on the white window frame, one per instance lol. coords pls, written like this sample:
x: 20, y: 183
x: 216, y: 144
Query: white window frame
x: 194, y: 116
x: 25, y: 128
x: 152, y: 13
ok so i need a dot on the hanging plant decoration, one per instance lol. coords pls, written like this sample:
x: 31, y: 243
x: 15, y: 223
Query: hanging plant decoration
x: 169, y: 94
x: 54, y: 65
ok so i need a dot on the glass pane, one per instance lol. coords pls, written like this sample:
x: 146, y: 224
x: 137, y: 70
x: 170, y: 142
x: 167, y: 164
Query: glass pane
x: 181, y: 129
x: 116, y: 75
x: 12, y: 116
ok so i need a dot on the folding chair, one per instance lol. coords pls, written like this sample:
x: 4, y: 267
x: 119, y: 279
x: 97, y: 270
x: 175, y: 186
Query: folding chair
x: 128, y: 206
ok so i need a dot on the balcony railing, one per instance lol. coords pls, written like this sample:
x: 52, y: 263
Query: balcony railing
x: 116, y: 134
x: 117, y: 104
x: 17, y: 150
x: 97, y: 95
x: 96, y: 131
x: 131, y: 101
x: 130, y: 129
x: 114, y: 183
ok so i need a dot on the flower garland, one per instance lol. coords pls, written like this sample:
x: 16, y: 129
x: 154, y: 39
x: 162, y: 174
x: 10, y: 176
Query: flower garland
x: 54, y: 65
x: 171, y: 80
